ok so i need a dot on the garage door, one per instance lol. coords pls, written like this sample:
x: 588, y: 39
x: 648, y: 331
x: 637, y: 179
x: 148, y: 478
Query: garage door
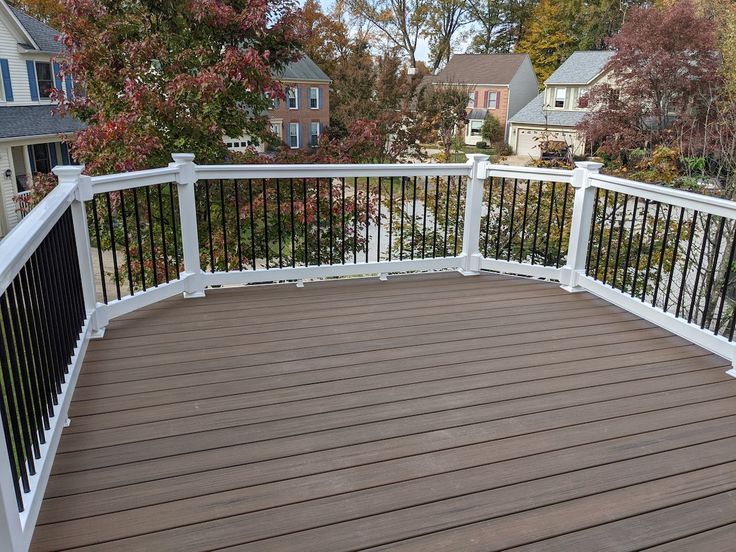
x: 527, y: 142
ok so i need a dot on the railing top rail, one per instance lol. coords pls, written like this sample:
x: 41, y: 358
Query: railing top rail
x: 213, y: 172
x: 671, y: 196
x: 135, y: 179
x: 21, y: 242
x: 530, y: 173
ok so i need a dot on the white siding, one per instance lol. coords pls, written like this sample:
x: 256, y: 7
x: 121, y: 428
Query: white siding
x: 523, y: 88
x: 8, y: 216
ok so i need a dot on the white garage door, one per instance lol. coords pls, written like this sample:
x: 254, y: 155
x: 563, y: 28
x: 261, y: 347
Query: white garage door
x: 527, y: 142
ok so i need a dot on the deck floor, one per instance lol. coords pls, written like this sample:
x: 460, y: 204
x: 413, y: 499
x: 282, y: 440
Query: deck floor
x: 432, y: 412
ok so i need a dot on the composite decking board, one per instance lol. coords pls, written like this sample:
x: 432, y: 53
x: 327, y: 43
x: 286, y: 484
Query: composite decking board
x: 419, y: 435
x: 468, y: 319
x: 342, y: 398
x: 720, y: 539
x: 459, y: 450
x: 648, y: 530
x: 280, y: 389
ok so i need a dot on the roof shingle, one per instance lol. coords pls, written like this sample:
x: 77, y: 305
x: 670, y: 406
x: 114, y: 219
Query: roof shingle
x: 41, y: 33
x: 580, y: 68
x: 533, y: 113
x: 34, y: 120
x: 481, y: 68
x: 304, y: 70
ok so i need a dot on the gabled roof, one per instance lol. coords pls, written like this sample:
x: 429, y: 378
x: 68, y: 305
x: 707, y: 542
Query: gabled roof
x: 533, y: 113
x: 304, y: 70
x: 580, y: 67
x: 34, y: 120
x: 43, y: 36
x: 481, y: 68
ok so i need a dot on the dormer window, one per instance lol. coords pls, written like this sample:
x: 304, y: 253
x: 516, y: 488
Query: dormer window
x: 560, y: 94
x: 44, y: 78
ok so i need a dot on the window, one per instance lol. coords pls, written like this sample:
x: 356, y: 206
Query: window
x: 45, y: 78
x: 474, y: 128
x: 276, y: 129
x: 292, y: 98
x: 314, y: 98
x: 471, y: 100
x: 314, y: 134
x: 560, y: 94
x: 294, y: 135
x: 42, y: 158
x: 492, y: 100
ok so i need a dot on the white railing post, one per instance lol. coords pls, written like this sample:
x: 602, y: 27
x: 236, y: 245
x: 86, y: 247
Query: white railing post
x: 582, y: 220
x: 185, y: 180
x: 72, y: 176
x: 473, y: 213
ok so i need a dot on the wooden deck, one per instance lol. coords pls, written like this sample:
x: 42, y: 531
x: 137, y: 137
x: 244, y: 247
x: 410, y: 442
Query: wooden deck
x: 432, y: 412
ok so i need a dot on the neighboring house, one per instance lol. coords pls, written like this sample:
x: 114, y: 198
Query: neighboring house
x: 29, y: 131
x: 300, y: 119
x: 553, y: 115
x: 500, y: 84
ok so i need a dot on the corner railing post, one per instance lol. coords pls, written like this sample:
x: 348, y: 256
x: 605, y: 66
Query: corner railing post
x: 185, y: 180
x: 582, y: 220
x: 473, y: 213
x: 72, y: 176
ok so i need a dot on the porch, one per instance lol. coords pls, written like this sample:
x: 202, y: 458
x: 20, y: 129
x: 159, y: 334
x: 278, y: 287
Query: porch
x: 426, y: 412
x: 343, y: 357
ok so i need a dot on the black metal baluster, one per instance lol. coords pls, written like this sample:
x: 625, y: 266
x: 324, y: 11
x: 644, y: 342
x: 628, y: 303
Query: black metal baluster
x: 488, y: 216
x: 620, y: 239
x: 8, y: 420
x: 223, y: 216
x: 278, y: 223
x: 641, y: 245
x: 424, y: 218
x: 150, y: 236
x: 139, y: 238
x: 688, y: 251
x: 367, y: 216
x: 401, y: 229
x: 562, y: 226
x: 208, y: 218
x: 344, y: 200
x: 511, y: 223
x: 724, y: 290
x: 293, y: 228
x: 628, y: 246
x: 380, y: 225
x: 589, y: 257
x: 500, y: 218
x: 536, y: 221
x: 599, y: 248
x: 413, y: 217
x: 447, y: 215
x: 675, y: 250
x: 162, y: 223
x: 98, y: 241
x: 50, y: 328
x: 306, y: 223
x: 651, y: 251
x: 436, y: 214
x: 549, y: 219
x: 713, y: 269
x: 390, y: 217
x: 111, y: 229
x: 252, y: 224
x: 610, y: 236
x: 238, y: 229
x: 523, y: 221
x: 174, y: 230
x: 265, y: 224
x: 127, y: 242
x: 330, y: 220
x: 661, y: 255
x: 319, y: 228
x: 355, y: 220
x: 695, y: 300
x: 457, y: 215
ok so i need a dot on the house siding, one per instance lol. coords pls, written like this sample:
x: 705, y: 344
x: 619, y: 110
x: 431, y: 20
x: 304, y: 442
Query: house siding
x: 303, y: 114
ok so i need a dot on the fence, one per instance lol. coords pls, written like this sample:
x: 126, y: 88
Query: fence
x: 97, y: 248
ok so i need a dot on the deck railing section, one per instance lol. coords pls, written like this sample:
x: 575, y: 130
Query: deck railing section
x: 47, y: 307
x: 664, y: 254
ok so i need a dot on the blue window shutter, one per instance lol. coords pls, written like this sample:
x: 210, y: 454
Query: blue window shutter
x: 57, y: 79
x: 52, y: 153
x: 319, y: 98
x: 5, y: 70
x: 65, y: 154
x: 68, y: 86
x: 32, y: 159
x: 32, y: 82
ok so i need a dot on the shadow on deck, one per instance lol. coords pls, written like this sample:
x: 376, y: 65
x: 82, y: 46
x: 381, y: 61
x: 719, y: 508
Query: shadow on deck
x: 432, y: 412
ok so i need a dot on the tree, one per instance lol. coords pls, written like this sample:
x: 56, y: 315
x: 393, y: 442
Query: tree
x: 48, y: 11
x: 441, y: 111
x: 400, y: 22
x: 170, y: 77
x: 446, y: 17
x: 548, y: 38
x: 661, y: 75
x: 491, y: 130
x: 499, y: 24
x: 326, y: 37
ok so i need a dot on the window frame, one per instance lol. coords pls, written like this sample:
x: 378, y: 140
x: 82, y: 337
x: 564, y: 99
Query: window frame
x: 559, y: 90
x: 52, y: 83
x: 471, y: 100
x: 295, y: 91
x: 48, y: 161
x: 471, y: 129
x: 313, y: 135
x: 296, y: 126
x: 316, y: 97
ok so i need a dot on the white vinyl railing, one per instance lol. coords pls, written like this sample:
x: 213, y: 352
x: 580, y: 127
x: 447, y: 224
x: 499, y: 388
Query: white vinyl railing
x: 657, y: 252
